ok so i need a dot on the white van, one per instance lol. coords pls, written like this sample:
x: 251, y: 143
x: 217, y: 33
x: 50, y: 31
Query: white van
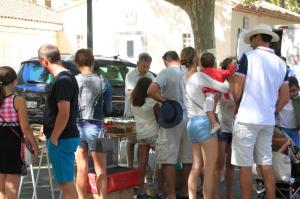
x: 288, y: 46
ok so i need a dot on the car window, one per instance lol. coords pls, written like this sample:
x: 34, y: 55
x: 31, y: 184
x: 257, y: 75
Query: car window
x: 115, y: 73
x: 33, y: 72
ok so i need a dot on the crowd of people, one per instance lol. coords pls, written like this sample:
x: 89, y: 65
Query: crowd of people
x: 206, y: 118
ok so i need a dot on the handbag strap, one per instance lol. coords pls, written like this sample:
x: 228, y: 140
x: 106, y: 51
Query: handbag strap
x: 13, y: 130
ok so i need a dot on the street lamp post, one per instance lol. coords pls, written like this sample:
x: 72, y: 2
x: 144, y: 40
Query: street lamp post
x: 90, y: 24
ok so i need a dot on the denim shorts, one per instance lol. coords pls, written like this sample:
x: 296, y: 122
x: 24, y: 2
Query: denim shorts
x: 89, y: 131
x: 62, y: 157
x: 199, y: 129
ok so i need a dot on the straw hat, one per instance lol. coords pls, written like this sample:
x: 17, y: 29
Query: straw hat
x: 261, y: 29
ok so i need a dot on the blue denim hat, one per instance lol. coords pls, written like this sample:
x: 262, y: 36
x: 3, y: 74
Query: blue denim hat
x: 170, y: 114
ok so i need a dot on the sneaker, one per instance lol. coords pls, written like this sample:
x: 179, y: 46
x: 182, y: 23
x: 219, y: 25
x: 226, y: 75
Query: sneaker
x: 142, y: 196
x: 216, y: 128
x: 161, y: 196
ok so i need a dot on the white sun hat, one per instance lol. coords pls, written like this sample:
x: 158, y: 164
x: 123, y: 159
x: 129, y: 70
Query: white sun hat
x: 261, y: 29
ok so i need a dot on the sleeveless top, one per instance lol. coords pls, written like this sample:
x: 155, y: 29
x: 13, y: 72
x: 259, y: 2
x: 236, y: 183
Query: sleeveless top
x: 8, y: 112
x: 10, y: 144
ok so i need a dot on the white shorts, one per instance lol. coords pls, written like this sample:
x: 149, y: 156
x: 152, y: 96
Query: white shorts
x: 173, y: 145
x: 251, y: 143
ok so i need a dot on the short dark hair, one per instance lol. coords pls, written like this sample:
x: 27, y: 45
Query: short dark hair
x: 266, y: 38
x: 225, y: 63
x: 84, y: 57
x: 293, y: 81
x: 145, y: 56
x: 139, y: 93
x: 208, y: 60
x: 170, y: 56
x: 51, y: 52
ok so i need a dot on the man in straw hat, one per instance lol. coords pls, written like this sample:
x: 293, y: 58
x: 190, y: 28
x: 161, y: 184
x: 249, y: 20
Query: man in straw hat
x: 260, y: 89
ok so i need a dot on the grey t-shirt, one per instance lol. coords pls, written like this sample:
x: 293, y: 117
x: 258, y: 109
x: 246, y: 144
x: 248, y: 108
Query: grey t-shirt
x: 91, y: 87
x: 170, y: 82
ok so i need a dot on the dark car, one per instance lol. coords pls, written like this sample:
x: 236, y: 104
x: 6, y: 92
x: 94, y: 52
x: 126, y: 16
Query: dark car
x: 33, y: 82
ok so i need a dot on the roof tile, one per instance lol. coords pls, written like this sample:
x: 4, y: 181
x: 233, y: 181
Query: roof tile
x: 24, y: 10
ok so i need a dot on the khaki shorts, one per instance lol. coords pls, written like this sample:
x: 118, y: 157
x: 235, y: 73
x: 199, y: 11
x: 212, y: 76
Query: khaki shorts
x: 251, y: 144
x: 173, y: 145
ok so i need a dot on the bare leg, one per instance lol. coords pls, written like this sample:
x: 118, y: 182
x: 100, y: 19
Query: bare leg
x: 170, y: 173
x: 143, y: 161
x: 186, y: 172
x: 2, y: 186
x: 220, y: 167
x: 246, y: 181
x: 269, y: 180
x: 229, y: 173
x: 69, y: 190
x: 100, y: 168
x: 82, y: 171
x: 130, y: 154
x: 12, y: 183
x: 210, y: 158
x: 161, y: 188
x: 195, y: 171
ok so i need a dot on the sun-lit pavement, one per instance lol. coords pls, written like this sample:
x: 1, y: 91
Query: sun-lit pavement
x: 44, y: 191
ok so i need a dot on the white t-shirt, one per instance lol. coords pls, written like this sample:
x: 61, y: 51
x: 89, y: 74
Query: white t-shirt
x: 264, y: 74
x: 192, y: 92
x: 170, y: 83
x: 287, y: 116
x: 146, y: 124
x: 131, y: 80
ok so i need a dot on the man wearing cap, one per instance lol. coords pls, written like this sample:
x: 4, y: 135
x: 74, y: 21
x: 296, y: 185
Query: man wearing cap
x: 132, y: 77
x: 260, y: 89
x: 167, y: 89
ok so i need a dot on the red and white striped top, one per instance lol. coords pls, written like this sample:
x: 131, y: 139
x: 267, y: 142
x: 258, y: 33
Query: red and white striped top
x: 8, y: 111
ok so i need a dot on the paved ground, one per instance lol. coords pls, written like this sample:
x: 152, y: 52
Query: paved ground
x: 44, y: 192
x: 43, y: 187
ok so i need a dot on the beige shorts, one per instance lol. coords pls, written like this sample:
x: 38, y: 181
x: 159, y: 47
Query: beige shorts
x: 251, y: 144
x: 173, y: 145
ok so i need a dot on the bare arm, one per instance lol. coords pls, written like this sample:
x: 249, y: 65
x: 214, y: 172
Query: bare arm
x: 61, y: 120
x: 283, y: 97
x: 237, y: 88
x: 154, y: 92
x: 21, y: 108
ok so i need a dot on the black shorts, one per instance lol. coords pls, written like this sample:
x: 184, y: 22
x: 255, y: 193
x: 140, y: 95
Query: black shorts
x: 225, y: 137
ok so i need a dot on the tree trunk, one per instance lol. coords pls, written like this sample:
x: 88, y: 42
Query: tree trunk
x: 282, y: 3
x: 201, y: 14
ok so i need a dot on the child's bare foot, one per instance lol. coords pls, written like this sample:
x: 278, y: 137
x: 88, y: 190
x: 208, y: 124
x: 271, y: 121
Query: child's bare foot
x: 215, y: 127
